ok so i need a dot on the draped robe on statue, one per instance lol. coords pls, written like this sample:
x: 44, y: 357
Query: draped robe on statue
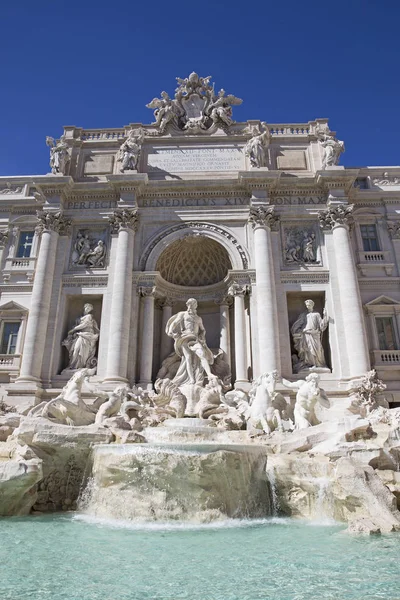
x: 307, y: 334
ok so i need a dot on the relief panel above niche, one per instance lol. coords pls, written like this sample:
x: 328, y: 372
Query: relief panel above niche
x: 301, y: 244
x: 89, y: 248
x: 291, y: 160
x: 98, y: 164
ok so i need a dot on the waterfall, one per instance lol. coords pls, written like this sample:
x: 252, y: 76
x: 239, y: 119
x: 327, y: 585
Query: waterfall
x: 275, y: 507
x: 323, y: 504
x: 189, y: 482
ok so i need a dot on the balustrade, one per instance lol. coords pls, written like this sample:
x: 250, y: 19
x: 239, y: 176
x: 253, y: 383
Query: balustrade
x: 385, y: 358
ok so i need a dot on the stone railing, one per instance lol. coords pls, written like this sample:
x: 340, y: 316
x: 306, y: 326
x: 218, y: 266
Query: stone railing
x: 386, y: 358
x: 289, y: 129
x: 27, y: 264
x: 102, y: 134
x: 276, y: 129
x: 373, y: 257
x: 10, y: 361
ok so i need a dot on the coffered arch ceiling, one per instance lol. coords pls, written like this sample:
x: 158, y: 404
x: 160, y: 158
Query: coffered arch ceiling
x: 194, y: 260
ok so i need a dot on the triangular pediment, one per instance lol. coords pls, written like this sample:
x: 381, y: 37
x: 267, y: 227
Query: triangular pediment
x: 13, y: 307
x: 382, y: 300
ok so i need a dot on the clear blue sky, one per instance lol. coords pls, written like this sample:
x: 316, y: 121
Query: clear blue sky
x: 96, y: 64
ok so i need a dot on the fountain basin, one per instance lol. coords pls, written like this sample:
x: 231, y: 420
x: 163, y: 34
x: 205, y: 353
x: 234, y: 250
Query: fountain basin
x: 187, y: 482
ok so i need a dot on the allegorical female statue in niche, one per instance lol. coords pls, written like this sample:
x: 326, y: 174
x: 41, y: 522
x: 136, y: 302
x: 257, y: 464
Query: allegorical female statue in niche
x: 307, y: 337
x: 81, y: 341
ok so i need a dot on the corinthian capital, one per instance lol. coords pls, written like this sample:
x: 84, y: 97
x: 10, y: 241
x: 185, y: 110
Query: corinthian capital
x: 48, y: 221
x: 263, y: 216
x: 342, y: 214
x: 235, y: 289
x: 123, y: 218
x: 147, y: 292
x: 394, y: 229
x: 4, y: 237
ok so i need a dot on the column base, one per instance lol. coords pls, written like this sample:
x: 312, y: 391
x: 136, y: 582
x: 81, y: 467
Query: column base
x: 145, y: 385
x: 28, y: 382
x: 242, y: 384
x: 116, y: 380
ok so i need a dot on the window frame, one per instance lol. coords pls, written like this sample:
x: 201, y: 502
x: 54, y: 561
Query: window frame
x: 378, y: 241
x: 4, y: 322
x: 11, y: 312
x: 395, y: 333
x: 18, y: 244
x: 383, y: 307
x: 364, y: 219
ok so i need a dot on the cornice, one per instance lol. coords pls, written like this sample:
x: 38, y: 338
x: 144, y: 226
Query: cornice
x: 91, y: 195
x: 21, y: 287
x: 260, y: 178
x: 380, y: 282
x: 305, y: 277
x: 85, y: 280
x: 131, y: 182
x: 338, y: 178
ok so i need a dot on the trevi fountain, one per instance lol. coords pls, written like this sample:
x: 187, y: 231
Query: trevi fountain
x: 200, y: 392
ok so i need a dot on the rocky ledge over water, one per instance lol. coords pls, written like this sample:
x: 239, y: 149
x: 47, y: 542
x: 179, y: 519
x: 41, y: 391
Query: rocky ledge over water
x: 345, y: 469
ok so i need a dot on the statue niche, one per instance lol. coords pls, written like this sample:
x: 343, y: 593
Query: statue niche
x: 82, y: 337
x: 309, y: 346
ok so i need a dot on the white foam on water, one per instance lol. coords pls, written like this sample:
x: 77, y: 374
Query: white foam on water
x: 179, y: 525
x: 322, y: 522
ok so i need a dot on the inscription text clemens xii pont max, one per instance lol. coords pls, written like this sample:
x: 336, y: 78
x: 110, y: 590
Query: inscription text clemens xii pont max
x: 180, y: 159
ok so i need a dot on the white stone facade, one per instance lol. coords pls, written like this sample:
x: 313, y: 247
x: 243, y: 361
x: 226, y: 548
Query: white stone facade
x: 197, y: 218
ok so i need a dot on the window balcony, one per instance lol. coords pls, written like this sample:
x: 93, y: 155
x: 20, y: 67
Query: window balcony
x: 367, y: 261
x: 17, y: 268
x: 10, y: 362
x: 386, y: 359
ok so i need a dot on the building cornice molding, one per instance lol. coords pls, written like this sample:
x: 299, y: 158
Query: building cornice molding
x: 85, y: 280
x: 305, y: 277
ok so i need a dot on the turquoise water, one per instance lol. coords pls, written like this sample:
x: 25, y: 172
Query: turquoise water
x: 65, y: 558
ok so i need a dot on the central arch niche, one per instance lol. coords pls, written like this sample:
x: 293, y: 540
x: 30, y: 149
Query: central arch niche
x: 194, y: 261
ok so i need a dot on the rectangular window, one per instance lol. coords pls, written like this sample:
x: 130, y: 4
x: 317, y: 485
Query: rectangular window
x: 370, y: 238
x: 361, y: 183
x: 386, y: 334
x: 25, y: 244
x: 9, y: 338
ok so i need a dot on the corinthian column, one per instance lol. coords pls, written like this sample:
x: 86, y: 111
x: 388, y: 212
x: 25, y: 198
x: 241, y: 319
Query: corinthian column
x: 225, y: 330
x: 263, y: 220
x: 166, y: 341
x: 146, y: 350
x: 50, y: 226
x: 338, y: 220
x: 238, y: 292
x: 124, y: 223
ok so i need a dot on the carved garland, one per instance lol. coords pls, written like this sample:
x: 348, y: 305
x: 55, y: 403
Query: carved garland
x: 194, y: 225
x: 4, y: 237
x: 394, y: 229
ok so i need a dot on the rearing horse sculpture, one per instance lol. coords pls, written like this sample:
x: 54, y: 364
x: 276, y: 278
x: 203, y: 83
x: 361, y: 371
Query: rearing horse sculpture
x: 262, y: 413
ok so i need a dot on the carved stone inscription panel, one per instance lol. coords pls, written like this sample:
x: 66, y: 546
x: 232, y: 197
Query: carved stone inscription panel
x: 178, y: 159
